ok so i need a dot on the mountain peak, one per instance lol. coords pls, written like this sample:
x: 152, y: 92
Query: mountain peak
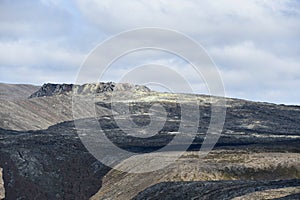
x: 50, y: 89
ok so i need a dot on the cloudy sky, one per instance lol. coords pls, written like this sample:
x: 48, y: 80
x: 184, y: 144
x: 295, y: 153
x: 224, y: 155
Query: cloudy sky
x: 255, y: 44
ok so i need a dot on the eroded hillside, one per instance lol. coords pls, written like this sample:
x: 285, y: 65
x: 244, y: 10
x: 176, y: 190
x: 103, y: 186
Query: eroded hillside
x: 43, y: 157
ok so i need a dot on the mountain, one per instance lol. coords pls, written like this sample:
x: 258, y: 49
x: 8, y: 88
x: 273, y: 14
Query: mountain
x: 42, y: 156
x: 50, y: 89
x: 54, y: 104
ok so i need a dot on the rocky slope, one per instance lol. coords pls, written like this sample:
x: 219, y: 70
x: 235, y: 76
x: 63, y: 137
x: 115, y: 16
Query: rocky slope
x: 240, y: 163
x: 39, y: 113
x: 16, y: 91
x: 53, y: 164
x: 212, y: 190
x: 48, y: 165
x: 43, y: 158
x: 54, y: 104
x: 280, y: 193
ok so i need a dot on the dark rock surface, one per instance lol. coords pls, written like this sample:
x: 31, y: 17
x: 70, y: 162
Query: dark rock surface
x: 52, y: 163
x: 48, y: 165
x: 50, y: 89
x: 211, y: 189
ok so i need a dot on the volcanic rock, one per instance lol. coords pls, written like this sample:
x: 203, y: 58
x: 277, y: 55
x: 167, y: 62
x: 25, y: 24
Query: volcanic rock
x: 50, y: 89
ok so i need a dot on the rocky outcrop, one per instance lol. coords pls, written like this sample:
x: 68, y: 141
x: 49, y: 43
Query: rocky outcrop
x: 51, y: 89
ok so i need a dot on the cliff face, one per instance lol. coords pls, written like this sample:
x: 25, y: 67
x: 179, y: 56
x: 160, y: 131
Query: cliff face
x: 50, y: 89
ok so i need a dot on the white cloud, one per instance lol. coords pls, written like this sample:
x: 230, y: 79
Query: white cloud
x: 255, y: 43
x: 18, y: 53
x: 193, y: 17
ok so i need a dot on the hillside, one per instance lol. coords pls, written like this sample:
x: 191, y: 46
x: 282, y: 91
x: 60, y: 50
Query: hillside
x: 222, y: 190
x: 42, y: 156
x: 49, y: 104
x: 16, y: 91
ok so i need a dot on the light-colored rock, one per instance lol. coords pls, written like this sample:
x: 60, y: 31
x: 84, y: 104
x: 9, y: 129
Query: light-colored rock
x: 2, y: 190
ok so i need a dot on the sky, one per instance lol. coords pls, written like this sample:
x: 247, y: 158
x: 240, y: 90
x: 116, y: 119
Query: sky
x: 254, y: 43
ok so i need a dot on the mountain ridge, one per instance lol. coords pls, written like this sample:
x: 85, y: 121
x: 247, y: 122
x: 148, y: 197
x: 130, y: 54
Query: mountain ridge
x: 50, y: 89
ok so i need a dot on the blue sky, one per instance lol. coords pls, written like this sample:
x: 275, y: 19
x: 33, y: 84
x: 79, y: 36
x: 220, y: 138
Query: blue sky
x: 255, y: 44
